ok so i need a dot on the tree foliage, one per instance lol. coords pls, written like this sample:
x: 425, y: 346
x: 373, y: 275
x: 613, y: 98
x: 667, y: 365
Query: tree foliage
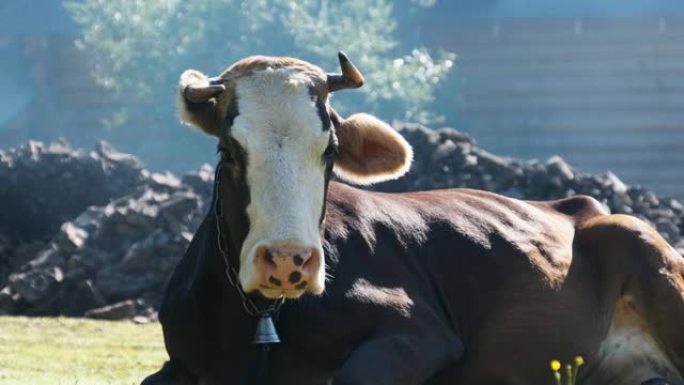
x: 140, y: 47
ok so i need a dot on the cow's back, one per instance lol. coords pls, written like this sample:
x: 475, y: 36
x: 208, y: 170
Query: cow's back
x: 481, y: 218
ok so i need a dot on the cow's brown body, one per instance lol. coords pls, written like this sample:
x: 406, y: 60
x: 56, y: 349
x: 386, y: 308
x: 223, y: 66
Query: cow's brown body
x: 456, y: 287
x: 441, y: 287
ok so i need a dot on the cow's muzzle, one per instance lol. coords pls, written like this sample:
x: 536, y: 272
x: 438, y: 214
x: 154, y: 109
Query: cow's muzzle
x: 286, y: 270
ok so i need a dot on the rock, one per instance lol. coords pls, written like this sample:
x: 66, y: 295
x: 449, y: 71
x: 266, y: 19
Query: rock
x: 6, y: 301
x: 118, y: 311
x: 179, y: 206
x: 36, y: 285
x: 201, y: 180
x: 70, y: 237
x: 444, y: 150
x: 142, y: 320
x: 667, y: 229
x: 83, y: 298
x: 12, y: 257
x: 615, y: 183
x: 650, y: 198
x: 470, y: 160
x: 86, y: 231
x: 114, y: 160
x: 45, y: 258
x: 621, y: 203
x: 451, y: 134
x: 45, y: 185
x: 501, y: 169
x: 114, y: 283
x: 557, y: 167
x: 164, y: 181
x: 675, y: 205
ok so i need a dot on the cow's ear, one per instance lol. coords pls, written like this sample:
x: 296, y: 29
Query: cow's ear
x: 197, y: 104
x: 370, y: 151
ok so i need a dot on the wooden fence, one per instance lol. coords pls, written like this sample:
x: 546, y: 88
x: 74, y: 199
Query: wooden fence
x: 606, y: 94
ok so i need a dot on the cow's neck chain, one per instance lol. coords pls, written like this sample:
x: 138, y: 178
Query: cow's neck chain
x: 250, y: 307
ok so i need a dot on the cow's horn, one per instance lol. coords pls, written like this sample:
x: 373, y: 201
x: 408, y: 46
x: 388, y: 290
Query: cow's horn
x: 202, y: 91
x: 350, y: 77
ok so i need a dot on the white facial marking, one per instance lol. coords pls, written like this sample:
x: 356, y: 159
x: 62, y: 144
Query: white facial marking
x: 279, y: 127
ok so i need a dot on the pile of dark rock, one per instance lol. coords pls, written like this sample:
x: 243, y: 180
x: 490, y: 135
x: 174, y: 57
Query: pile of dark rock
x: 43, y: 185
x: 449, y: 158
x: 95, y: 234
x: 113, y: 245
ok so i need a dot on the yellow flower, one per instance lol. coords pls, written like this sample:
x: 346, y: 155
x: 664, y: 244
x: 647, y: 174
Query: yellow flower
x: 579, y: 360
x: 555, y: 365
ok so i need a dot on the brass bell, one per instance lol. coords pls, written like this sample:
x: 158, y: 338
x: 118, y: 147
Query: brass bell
x: 265, y: 331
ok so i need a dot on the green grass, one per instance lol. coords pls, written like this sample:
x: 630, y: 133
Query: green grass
x: 62, y: 351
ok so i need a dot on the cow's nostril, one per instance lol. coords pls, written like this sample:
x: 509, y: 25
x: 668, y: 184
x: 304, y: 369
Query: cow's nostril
x: 298, y: 260
x: 295, y: 276
x: 267, y: 261
x: 268, y: 255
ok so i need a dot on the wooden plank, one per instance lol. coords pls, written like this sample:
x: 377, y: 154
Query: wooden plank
x: 597, y: 151
x: 610, y: 97
x: 541, y: 137
x: 527, y: 86
x: 547, y: 30
x: 581, y: 132
x: 571, y: 70
x: 563, y: 120
x: 488, y: 38
x: 571, y: 50
x: 649, y: 102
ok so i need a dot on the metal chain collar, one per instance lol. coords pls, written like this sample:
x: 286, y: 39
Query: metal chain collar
x: 250, y: 307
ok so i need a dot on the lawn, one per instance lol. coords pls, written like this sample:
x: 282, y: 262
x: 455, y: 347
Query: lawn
x: 61, y: 351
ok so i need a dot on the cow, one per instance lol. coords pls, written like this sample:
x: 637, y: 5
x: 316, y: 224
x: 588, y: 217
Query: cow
x: 454, y: 286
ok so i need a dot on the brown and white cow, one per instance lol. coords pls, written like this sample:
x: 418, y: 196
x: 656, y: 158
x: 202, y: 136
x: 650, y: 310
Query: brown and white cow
x: 438, y: 287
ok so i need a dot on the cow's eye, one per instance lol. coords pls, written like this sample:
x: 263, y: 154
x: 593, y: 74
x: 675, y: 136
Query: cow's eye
x: 330, y: 152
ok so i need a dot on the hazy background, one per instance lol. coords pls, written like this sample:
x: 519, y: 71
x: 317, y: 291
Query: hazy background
x: 600, y: 83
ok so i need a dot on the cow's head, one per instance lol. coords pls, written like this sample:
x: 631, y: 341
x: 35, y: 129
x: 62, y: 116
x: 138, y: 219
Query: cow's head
x: 279, y: 141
